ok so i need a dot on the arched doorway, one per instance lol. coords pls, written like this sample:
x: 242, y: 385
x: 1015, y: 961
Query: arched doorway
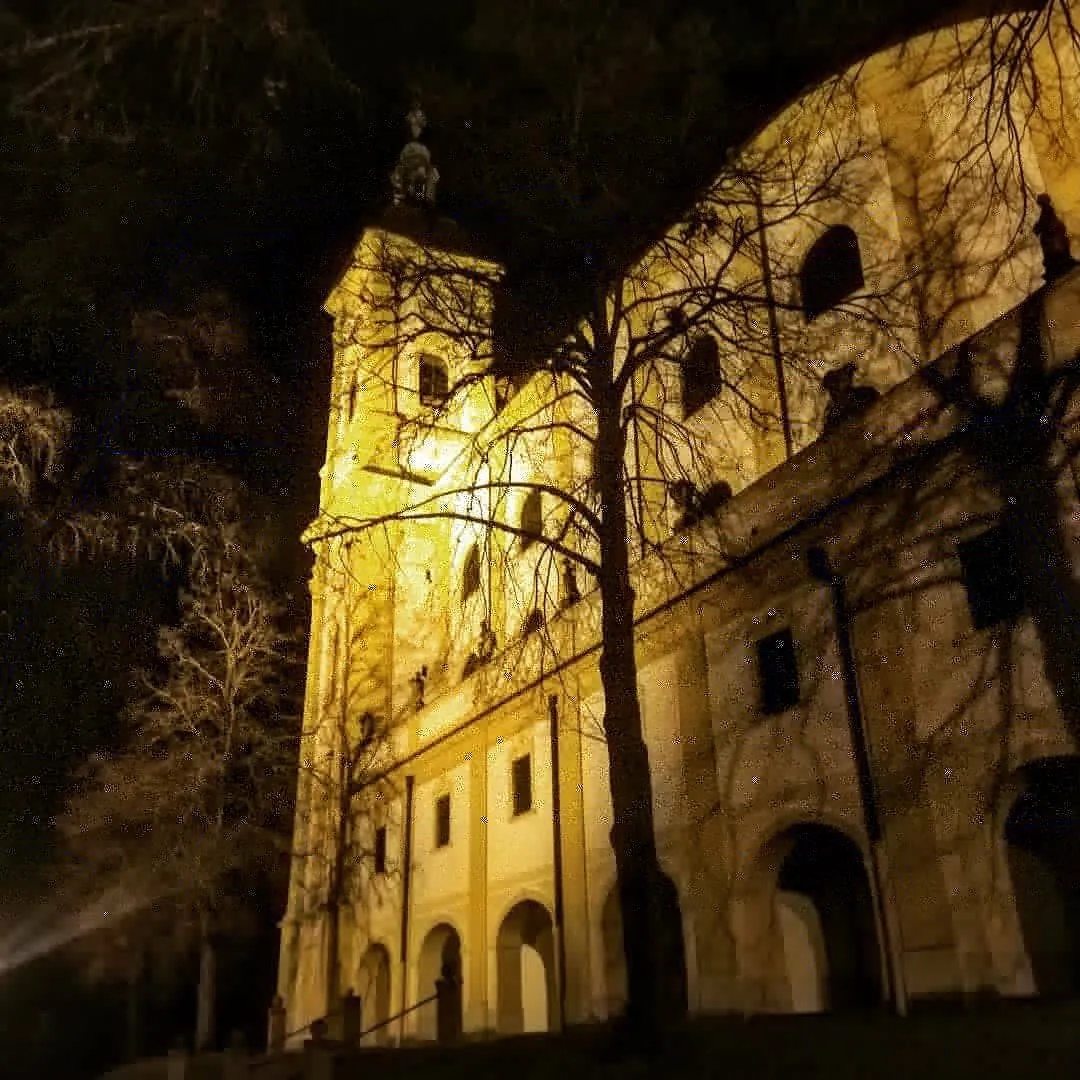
x: 440, y: 968
x: 824, y: 918
x: 373, y: 987
x: 1042, y: 834
x: 527, y: 988
x: 672, y: 951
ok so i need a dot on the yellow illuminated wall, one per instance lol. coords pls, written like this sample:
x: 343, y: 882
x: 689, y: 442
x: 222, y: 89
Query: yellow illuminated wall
x: 944, y: 255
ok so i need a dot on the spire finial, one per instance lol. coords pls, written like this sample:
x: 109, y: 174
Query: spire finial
x: 414, y: 177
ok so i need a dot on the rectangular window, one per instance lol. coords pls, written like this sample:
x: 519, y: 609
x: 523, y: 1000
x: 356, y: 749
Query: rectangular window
x: 380, y: 850
x: 778, y: 672
x: 442, y: 821
x: 434, y: 382
x: 988, y: 567
x: 521, y: 783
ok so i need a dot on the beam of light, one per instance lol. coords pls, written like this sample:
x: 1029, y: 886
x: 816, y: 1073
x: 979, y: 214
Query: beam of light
x: 37, y: 937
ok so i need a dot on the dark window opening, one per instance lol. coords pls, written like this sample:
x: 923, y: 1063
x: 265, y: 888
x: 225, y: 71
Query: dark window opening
x: 380, y: 850
x: 988, y: 567
x: 434, y: 382
x: 521, y: 782
x: 831, y: 271
x: 778, y: 672
x: 470, y: 576
x: 442, y: 821
x: 701, y: 378
x: 532, y: 519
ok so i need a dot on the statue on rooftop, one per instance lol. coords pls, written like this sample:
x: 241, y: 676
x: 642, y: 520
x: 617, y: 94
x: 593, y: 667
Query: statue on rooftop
x: 1054, y: 240
x: 845, y: 398
x: 414, y: 178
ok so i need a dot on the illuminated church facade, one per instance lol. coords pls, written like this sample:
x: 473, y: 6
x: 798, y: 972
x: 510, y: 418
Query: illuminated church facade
x: 865, y: 786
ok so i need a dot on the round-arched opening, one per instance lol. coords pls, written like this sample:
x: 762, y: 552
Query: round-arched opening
x: 440, y: 972
x: 831, y: 271
x: 373, y: 987
x: 824, y: 918
x: 527, y: 984
x: 671, y: 949
x: 1042, y: 836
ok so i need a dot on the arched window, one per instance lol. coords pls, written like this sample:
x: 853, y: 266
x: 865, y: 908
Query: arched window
x: 434, y: 381
x: 831, y: 271
x: 532, y: 519
x: 701, y: 380
x: 470, y: 575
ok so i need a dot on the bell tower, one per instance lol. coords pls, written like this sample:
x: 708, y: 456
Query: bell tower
x: 411, y: 345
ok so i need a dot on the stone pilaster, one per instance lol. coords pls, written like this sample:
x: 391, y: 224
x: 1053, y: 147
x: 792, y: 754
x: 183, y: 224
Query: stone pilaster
x: 710, y: 959
x: 575, y: 927
x: 477, y: 1016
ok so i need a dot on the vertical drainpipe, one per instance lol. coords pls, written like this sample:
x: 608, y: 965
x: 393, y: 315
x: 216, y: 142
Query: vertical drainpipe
x: 774, y: 329
x: 406, y: 867
x: 556, y: 833
x: 871, y: 807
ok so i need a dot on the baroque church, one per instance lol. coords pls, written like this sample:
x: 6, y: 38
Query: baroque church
x: 853, y: 557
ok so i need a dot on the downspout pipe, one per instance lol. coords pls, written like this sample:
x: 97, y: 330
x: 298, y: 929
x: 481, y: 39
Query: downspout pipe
x: 822, y: 571
x: 556, y: 829
x: 406, y: 866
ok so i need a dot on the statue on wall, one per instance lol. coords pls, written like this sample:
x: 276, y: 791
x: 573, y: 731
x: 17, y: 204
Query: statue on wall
x: 846, y: 400
x: 571, y: 593
x: 414, y: 178
x: 485, y: 649
x: 419, y: 681
x: 1054, y: 240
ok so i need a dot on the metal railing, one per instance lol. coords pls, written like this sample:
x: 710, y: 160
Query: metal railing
x: 367, y: 1031
x: 397, y: 1016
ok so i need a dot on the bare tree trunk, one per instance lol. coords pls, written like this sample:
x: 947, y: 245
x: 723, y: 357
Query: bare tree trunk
x: 207, y: 1004
x: 632, y: 834
x: 337, y: 885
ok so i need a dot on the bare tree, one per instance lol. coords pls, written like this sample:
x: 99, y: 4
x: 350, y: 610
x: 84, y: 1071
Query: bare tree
x: 198, y: 791
x: 33, y: 435
x: 93, y: 71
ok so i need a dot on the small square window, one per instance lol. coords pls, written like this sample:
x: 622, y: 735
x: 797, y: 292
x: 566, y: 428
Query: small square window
x: 521, y: 783
x: 380, y: 850
x: 988, y: 567
x: 434, y: 382
x: 442, y: 821
x: 778, y: 672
